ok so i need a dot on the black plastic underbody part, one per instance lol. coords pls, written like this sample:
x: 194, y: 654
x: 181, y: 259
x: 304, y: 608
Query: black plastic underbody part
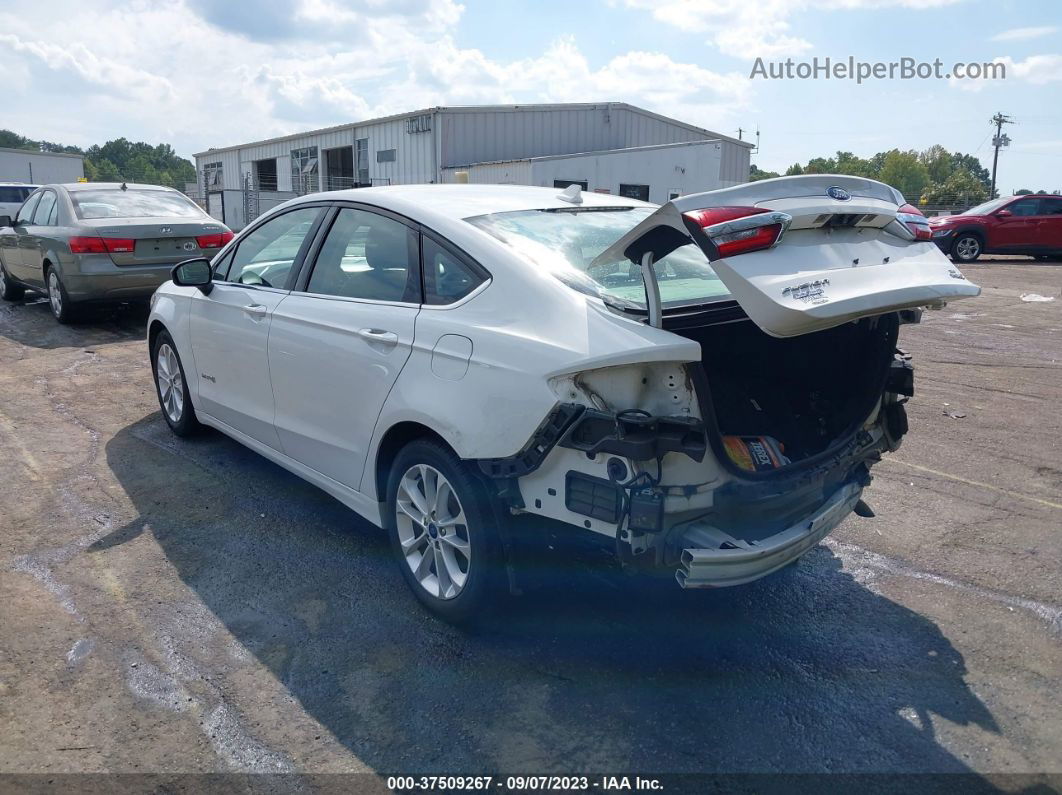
x: 646, y: 510
x: 636, y: 435
x: 901, y: 378
x: 538, y: 446
x: 594, y: 497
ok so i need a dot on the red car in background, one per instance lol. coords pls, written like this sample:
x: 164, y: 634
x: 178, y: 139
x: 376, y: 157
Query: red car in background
x: 1012, y: 225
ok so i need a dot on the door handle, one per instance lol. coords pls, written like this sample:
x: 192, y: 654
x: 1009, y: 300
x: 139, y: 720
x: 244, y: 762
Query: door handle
x: 256, y: 310
x: 377, y: 335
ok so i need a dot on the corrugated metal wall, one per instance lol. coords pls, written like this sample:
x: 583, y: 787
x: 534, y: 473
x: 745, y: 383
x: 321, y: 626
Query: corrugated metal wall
x: 513, y: 173
x: 690, y: 168
x: 639, y: 129
x: 464, y: 136
x: 39, y: 168
x: 475, y: 136
x: 414, y: 154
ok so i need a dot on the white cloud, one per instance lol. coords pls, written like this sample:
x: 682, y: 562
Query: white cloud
x: 1023, y: 34
x: 758, y: 29
x: 197, y: 74
x: 1037, y: 69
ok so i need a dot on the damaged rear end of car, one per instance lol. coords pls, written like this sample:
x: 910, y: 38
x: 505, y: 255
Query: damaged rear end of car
x: 740, y: 452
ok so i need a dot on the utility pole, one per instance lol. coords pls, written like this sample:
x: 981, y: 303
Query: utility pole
x: 1000, y: 140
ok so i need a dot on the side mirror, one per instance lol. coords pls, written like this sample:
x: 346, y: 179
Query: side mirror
x: 195, y: 272
x: 1004, y: 214
x: 6, y: 220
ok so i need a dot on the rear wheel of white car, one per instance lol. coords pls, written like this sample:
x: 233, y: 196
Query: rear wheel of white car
x: 9, y: 291
x: 966, y: 248
x: 171, y: 386
x: 443, y: 531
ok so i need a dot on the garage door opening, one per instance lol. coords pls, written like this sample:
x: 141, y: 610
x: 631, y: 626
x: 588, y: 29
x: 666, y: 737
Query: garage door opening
x: 265, y: 174
x: 339, y: 168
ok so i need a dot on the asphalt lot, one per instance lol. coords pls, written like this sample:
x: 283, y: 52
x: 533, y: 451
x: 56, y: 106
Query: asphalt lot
x: 173, y: 605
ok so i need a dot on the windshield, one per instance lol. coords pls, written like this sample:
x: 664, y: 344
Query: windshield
x: 987, y: 207
x: 132, y: 203
x: 565, y: 242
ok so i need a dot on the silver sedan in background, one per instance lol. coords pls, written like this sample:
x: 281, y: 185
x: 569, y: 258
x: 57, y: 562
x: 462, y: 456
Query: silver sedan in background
x: 101, y: 242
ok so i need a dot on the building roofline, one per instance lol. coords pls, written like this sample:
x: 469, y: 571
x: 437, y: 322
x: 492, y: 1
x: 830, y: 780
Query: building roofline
x: 16, y: 150
x: 474, y: 109
x: 541, y: 158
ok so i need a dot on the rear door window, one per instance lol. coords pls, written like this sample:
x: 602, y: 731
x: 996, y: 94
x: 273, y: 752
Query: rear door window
x: 368, y: 256
x: 45, y: 212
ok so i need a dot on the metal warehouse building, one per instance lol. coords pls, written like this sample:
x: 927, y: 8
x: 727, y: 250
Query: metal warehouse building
x: 607, y: 147
x: 40, y: 168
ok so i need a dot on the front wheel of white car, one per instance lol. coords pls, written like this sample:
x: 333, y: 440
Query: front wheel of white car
x: 171, y: 386
x: 443, y: 532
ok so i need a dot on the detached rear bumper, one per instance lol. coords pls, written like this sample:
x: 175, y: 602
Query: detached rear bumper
x: 710, y: 566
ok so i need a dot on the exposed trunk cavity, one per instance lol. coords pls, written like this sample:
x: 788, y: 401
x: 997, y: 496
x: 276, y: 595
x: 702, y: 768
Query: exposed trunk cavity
x: 810, y: 393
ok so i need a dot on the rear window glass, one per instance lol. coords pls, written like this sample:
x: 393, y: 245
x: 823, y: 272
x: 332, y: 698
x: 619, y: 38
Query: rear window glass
x: 12, y: 194
x: 132, y: 203
x: 565, y: 242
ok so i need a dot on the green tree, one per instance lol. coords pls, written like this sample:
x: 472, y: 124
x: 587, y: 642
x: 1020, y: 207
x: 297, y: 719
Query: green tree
x: 794, y: 170
x: 961, y: 187
x: 756, y: 173
x: 905, y: 172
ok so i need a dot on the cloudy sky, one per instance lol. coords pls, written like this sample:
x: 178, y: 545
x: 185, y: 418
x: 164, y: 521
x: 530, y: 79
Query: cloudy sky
x: 201, y: 73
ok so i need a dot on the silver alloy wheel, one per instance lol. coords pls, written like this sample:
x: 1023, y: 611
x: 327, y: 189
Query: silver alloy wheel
x: 967, y: 247
x: 171, y: 385
x: 433, y: 531
x: 55, y: 295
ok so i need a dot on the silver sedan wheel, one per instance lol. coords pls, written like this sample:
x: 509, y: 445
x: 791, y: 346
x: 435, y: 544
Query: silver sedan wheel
x: 433, y: 531
x: 171, y: 385
x: 968, y: 247
x: 55, y: 294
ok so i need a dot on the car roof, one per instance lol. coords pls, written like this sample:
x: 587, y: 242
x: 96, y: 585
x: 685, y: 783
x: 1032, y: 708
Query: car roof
x: 19, y: 184
x: 76, y: 186
x: 465, y: 201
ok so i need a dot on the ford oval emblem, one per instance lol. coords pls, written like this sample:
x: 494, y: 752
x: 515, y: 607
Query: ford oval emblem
x: 839, y: 193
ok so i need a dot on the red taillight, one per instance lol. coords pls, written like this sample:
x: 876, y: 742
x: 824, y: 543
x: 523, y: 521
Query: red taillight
x: 911, y: 217
x: 214, y: 241
x: 87, y: 245
x: 737, y: 230
x: 102, y: 245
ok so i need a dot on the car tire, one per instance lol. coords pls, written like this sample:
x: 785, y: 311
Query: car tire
x: 449, y: 548
x: 9, y: 290
x: 58, y: 300
x: 966, y: 247
x: 171, y: 387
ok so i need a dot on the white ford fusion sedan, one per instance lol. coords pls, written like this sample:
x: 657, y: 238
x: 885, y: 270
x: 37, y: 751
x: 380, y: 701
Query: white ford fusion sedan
x: 703, y: 386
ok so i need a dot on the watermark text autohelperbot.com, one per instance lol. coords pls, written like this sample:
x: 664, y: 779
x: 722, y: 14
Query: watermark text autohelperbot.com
x: 860, y: 71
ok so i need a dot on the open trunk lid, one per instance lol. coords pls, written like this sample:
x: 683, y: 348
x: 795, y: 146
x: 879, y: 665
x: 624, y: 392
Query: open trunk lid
x: 801, y: 254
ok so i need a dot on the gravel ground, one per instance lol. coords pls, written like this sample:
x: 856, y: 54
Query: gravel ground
x: 185, y: 606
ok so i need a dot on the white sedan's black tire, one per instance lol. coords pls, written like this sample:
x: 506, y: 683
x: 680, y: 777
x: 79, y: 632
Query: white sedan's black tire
x: 171, y: 387
x: 444, y: 532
